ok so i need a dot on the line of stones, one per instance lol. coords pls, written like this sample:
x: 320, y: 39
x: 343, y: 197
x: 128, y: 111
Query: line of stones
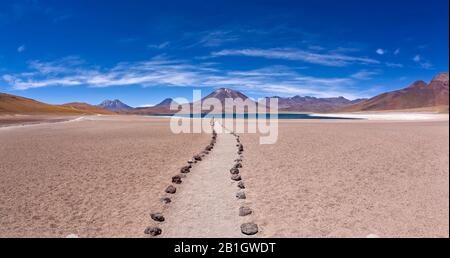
x: 178, y: 179
x: 246, y: 228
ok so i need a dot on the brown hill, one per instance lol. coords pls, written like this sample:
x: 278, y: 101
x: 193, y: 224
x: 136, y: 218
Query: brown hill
x: 419, y: 95
x: 11, y: 104
x: 90, y: 109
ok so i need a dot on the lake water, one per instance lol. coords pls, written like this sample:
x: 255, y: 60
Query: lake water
x: 247, y: 116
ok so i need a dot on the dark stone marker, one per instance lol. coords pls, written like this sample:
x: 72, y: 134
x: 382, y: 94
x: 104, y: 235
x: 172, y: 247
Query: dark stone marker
x: 241, y: 185
x: 234, y: 171
x: 244, y: 211
x: 157, y: 217
x: 153, y: 231
x: 236, y: 177
x: 176, y: 180
x: 241, y: 195
x: 171, y: 189
x: 238, y: 165
x: 249, y: 228
x: 166, y: 200
x: 185, y: 169
x: 197, y: 157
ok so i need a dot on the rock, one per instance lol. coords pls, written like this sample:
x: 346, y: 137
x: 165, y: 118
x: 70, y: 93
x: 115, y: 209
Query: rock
x: 157, y: 217
x: 182, y: 175
x: 238, y: 160
x: 241, y: 147
x: 171, y: 189
x: 236, y: 177
x: 237, y: 165
x: 190, y: 161
x: 244, y: 211
x: 234, y: 171
x: 185, y: 169
x: 197, y: 157
x: 241, y: 185
x: 241, y: 195
x: 249, y: 228
x: 153, y: 231
x: 165, y: 200
x: 176, y: 180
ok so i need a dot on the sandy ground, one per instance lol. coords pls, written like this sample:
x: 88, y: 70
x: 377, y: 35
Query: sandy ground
x: 21, y: 120
x: 98, y: 176
x: 350, y: 179
x: 206, y: 205
x: 103, y: 176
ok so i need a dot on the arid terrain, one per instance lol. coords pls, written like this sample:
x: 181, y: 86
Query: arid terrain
x: 102, y: 176
x: 350, y: 179
x: 99, y: 176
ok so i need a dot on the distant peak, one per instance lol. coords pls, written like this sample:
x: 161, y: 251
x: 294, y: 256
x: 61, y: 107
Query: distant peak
x: 417, y: 84
x: 165, y: 103
x: 227, y: 90
x: 441, y: 77
x: 114, y: 105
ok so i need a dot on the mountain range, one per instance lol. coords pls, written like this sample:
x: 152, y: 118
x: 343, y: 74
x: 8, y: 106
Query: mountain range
x: 11, y: 104
x: 420, y: 95
x: 114, y: 105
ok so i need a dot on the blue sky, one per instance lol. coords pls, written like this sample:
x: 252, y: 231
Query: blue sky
x: 144, y: 51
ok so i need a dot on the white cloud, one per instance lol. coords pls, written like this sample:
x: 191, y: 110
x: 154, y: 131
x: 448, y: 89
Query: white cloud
x: 397, y: 51
x: 217, y: 38
x: 394, y: 65
x: 364, y: 75
x: 381, y: 51
x: 333, y: 59
x: 423, y: 63
x: 159, y: 46
x: 21, y: 48
x: 162, y: 71
x: 426, y: 65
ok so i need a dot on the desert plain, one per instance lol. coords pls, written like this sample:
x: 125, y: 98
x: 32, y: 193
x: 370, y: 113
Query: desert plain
x: 102, y: 176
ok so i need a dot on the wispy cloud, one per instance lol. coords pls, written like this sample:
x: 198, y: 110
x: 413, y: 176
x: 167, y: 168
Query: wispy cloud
x: 217, y: 38
x: 159, y: 46
x: 425, y: 64
x: 332, y: 59
x: 397, y: 51
x: 364, y: 75
x: 21, y: 48
x: 380, y: 51
x: 163, y: 71
x: 394, y: 65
